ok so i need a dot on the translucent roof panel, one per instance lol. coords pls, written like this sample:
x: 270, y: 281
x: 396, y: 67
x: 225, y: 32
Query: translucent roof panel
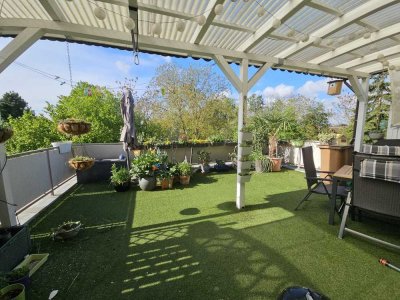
x: 239, y: 31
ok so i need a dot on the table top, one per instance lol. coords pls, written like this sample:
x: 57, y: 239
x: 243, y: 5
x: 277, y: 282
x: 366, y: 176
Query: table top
x: 345, y: 172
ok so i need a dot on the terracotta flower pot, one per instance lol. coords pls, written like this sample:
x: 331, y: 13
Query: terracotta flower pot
x: 164, y: 183
x: 184, y: 180
x: 276, y: 164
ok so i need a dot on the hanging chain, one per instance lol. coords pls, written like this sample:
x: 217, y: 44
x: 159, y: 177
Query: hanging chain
x: 69, y: 65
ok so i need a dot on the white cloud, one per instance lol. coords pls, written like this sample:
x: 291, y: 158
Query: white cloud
x: 279, y: 91
x: 311, y: 89
x: 123, y: 66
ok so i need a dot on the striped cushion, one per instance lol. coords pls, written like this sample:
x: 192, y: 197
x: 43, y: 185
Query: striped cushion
x: 381, y: 150
x: 384, y: 170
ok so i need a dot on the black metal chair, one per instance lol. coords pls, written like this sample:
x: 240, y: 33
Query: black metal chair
x: 316, y: 184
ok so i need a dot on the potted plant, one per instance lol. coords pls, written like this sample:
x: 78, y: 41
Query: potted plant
x: 144, y: 167
x: 376, y: 134
x: 73, y: 126
x: 5, y: 131
x: 174, y: 175
x: 19, y: 275
x: 185, y: 171
x: 165, y: 176
x: 120, y: 178
x: 67, y: 230
x: 13, y: 292
x: 81, y: 163
x: 204, y: 159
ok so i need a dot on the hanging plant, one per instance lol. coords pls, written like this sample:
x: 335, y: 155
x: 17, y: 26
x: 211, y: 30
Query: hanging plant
x: 81, y: 163
x: 66, y: 230
x: 5, y: 132
x: 73, y: 126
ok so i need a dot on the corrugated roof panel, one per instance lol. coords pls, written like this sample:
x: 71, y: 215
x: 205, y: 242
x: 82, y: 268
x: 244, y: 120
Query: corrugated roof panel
x: 339, y: 60
x: 24, y: 9
x: 344, y: 5
x: 385, y: 17
x: 377, y: 46
x: 271, y: 47
x: 309, y: 53
x: 306, y: 20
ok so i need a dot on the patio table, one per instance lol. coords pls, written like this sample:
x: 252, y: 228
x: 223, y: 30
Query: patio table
x: 345, y: 173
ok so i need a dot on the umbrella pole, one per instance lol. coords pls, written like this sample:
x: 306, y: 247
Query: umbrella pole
x: 128, y: 160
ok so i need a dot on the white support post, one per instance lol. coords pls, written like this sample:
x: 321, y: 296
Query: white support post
x: 361, y: 91
x: 244, y: 68
x: 7, y: 208
x: 18, y: 45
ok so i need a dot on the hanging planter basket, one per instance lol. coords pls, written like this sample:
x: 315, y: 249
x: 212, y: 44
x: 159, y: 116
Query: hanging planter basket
x: 5, y: 134
x: 81, y: 163
x: 73, y: 127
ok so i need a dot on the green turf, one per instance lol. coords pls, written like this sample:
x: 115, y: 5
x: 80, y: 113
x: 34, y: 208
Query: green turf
x: 191, y: 243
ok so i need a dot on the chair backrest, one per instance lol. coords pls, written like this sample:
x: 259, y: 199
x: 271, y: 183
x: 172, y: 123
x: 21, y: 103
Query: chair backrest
x: 309, y: 166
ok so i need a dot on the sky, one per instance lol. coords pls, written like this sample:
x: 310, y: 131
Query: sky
x: 105, y: 66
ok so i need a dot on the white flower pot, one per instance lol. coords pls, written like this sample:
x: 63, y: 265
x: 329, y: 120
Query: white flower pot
x: 243, y: 179
x: 244, y: 151
x: 64, y: 147
x: 244, y: 165
x: 245, y: 137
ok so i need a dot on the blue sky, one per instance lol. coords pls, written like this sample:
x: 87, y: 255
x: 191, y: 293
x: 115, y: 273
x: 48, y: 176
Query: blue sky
x: 105, y: 66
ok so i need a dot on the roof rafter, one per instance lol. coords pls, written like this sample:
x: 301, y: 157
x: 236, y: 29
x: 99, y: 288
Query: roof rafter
x: 353, y: 16
x: 123, y: 39
x: 283, y: 14
x: 210, y: 15
x: 361, y: 42
x: 53, y: 10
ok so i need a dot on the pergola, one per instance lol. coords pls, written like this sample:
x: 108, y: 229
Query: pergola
x: 348, y: 39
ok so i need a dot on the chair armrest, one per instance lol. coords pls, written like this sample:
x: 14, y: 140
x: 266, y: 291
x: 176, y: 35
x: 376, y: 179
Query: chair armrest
x: 319, y: 179
x: 327, y: 172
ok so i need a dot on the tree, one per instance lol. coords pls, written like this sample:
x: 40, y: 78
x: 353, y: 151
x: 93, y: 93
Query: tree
x: 31, y: 132
x: 12, y: 105
x: 189, y: 103
x: 255, y: 104
x: 378, y: 103
x: 93, y: 104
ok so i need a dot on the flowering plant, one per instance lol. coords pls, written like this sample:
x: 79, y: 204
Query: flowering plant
x: 145, y: 164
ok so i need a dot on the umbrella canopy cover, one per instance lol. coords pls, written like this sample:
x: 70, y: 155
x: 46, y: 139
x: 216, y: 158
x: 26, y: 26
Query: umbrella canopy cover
x: 128, y: 134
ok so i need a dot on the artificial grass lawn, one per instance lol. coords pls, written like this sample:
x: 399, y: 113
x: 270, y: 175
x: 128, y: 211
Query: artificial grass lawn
x: 191, y: 243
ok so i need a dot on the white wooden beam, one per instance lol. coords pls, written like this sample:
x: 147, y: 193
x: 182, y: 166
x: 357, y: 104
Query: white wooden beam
x: 210, y: 15
x: 18, y: 45
x: 352, y: 16
x: 361, y: 91
x: 283, y: 14
x: 53, y: 10
x: 370, y: 57
x: 325, y: 8
x: 158, y: 45
x: 361, y: 42
x: 227, y: 70
x: 260, y: 72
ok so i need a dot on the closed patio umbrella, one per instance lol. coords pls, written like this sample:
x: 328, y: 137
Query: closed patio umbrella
x: 128, y: 134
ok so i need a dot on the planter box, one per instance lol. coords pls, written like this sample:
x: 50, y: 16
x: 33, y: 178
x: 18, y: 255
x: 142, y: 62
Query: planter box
x: 244, y: 165
x: 64, y: 147
x: 244, y: 151
x: 245, y: 136
x: 34, y: 262
x: 15, y: 249
x: 243, y: 178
